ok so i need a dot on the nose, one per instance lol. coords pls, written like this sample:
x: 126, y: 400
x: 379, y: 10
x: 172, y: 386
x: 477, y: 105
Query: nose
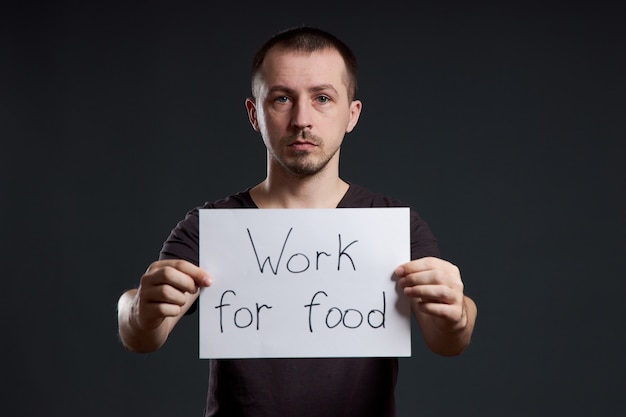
x: 301, y: 117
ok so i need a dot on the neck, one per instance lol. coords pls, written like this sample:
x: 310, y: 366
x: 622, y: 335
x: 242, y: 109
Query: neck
x: 323, y: 190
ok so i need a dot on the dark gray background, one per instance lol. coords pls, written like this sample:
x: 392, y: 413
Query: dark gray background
x: 501, y: 123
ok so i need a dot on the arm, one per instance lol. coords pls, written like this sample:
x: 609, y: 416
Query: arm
x: 147, y: 314
x: 445, y: 315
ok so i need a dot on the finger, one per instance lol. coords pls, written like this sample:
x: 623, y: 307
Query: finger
x: 165, y: 293
x: 151, y: 283
x: 419, y: 265
x: 420, y: 278
x: 449, y: 312
x: 167, y: 310
x: 152, y: 314
x: 200, y: 277
x: 448, y: 277
x: 433, y: 293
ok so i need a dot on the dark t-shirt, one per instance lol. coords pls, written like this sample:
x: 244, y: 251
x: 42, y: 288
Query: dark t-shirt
x: 302, y: 387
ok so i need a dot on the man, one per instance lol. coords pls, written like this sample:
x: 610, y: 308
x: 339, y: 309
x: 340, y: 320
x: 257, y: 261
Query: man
x: 304, y: 86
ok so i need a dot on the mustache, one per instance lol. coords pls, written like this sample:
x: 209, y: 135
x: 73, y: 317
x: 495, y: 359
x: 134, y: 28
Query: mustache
x: 303, y: 134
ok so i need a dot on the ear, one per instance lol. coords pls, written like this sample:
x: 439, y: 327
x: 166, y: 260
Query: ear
x: 355, y: 112
x: 252, y: 114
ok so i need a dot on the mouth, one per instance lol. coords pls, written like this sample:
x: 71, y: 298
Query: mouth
x: 303, y: 141
x: 302, y: 145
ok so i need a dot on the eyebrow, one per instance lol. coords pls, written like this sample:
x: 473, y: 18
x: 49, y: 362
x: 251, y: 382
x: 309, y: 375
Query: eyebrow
x: 314, y: 89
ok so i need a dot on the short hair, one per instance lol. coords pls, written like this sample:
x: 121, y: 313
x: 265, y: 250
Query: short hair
x: 308, y: 39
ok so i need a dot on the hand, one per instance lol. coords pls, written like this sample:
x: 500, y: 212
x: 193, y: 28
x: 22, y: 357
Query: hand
x: 436, y: 289
x: 165, y: 289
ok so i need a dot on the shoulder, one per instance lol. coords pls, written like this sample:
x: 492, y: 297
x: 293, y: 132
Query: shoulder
x: 358, y: 196
x: 182, y: 242
x: 241, y: 199
x: 423, y: 242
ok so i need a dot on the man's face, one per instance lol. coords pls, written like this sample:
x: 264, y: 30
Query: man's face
x: 302, y: 109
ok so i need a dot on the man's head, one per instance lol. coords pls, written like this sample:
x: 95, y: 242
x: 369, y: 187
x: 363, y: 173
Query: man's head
x: 306, y: 40
x: 303, y: 101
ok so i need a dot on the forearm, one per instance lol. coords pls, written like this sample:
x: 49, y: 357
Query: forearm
x: 133, y: 336
x: 444, y: 339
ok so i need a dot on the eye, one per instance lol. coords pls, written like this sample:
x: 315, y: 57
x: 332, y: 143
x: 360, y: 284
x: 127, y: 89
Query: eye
x: 282, y: 99
x: 323, y: 99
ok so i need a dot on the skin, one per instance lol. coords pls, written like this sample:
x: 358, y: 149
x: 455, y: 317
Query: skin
x: 302, y: 110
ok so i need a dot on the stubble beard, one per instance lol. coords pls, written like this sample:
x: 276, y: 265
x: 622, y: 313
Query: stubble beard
x: 305, y: 163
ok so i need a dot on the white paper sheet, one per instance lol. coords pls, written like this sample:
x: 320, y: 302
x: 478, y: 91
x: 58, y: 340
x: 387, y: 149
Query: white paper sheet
x: 304, y: 283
